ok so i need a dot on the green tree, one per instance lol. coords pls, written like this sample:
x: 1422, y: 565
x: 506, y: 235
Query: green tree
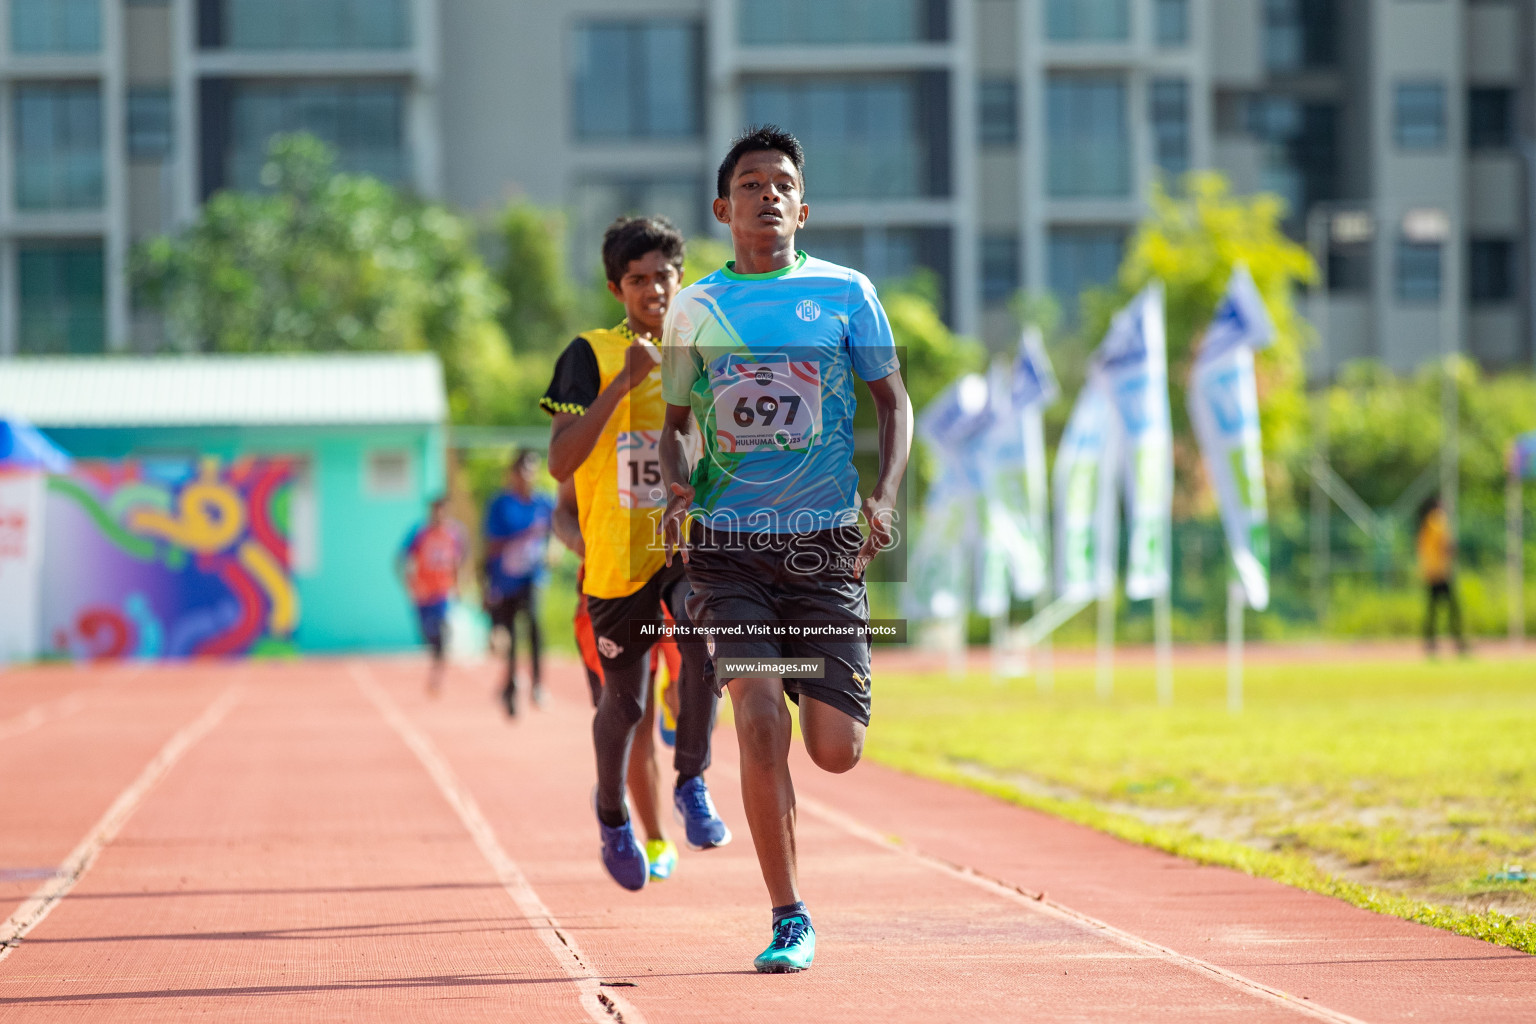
x: 325, y: 261
x: 1385, y: 430
x: 542, y: 305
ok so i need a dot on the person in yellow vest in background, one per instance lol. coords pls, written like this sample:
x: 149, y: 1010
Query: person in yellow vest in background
x: 605, y: 400
x: 1437, y: 567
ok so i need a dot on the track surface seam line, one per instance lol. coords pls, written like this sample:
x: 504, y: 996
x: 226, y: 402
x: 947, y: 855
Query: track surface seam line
x: 601, y: 1007
x: 53, y: 710
x: 41, y: 714
x: 1040, y: 904
x: 40, y: 904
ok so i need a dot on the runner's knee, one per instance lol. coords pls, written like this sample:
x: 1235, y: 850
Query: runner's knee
x: 835, y: 755
x: 762, y: 725
x: 615, y: 702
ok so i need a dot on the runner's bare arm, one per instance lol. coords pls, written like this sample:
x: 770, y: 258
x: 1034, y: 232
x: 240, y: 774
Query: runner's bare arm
x: 572, y: 436
x: 672, y: 448
x: 893, y: 416
x: 567, y: 519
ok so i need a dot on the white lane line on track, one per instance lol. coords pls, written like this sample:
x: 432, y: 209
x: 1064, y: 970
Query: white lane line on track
x: 41, y: 714
x: 1039, y: 904
x: 40, y: 904
x: 49, y: 711
x: 601, y: 1007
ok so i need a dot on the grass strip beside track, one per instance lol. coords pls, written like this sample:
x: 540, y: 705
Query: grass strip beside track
x: 1398, y: 787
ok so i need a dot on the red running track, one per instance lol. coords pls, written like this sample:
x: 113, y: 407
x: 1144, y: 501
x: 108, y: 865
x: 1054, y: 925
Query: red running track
x: 320, y: 841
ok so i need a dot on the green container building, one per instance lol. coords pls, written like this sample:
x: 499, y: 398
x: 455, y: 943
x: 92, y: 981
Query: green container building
x: 367, y: 434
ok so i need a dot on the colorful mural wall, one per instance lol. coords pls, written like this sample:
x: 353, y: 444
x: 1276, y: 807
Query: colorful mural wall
x: 168, y: 559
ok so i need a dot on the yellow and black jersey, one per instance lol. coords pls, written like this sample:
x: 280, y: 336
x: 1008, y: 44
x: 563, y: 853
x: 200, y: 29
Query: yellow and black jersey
x: 619, y: 494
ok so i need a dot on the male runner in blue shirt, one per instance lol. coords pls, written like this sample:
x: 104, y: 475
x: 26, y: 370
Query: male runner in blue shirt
x: 761, y: 358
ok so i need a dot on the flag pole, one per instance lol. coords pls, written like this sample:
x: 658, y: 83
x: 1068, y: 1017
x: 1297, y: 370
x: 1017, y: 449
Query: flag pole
x: 1105, y: 680
x: 1236, y: 599
x: 1162, y: 625
x: 1045, y: 671
x: 1514, y: 552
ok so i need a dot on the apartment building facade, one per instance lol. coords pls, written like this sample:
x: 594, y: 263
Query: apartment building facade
x: 1001, y: 144
x: 119, y: 117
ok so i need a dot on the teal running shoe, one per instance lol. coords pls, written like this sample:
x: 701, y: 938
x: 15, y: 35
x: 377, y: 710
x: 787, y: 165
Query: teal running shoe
x: 792, y: 949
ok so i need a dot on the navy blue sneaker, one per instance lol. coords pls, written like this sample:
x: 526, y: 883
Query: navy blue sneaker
x: 623, y: 855
x: 695, y: 811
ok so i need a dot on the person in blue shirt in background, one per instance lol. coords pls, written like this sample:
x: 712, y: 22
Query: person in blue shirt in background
x: 517, y: 527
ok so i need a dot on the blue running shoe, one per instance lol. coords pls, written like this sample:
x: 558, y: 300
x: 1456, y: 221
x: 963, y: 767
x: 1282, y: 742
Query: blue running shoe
x: 623, y: 855
x: 695, y: 811
x: 792, y: 949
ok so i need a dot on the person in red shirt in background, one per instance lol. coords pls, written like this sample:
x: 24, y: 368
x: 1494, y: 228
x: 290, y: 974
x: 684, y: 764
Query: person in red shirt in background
x: 429, y: 562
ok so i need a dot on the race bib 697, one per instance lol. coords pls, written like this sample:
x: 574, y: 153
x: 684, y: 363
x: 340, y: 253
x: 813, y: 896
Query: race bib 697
x: 767, y: 406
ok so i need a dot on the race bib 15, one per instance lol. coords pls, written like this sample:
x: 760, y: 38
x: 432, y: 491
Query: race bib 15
x: 640, y: 470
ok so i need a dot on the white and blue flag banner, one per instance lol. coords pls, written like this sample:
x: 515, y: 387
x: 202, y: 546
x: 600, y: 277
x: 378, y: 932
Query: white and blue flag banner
x: 953, y: 425
x: 958, y: 415
x: 1224, y: 410
x: 1034, y: 380
x: 1010, y: 557
x: 1085, y: 478
x: 1132, y: 365
x: 985, y: 532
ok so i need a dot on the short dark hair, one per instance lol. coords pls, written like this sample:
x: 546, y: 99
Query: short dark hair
x: 759, y: 138
x: 630, y: 238
x: 523, y: 457
x: 441, y: 501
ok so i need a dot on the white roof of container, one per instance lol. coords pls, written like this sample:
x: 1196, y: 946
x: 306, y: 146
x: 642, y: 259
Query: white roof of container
x: 207, y: 390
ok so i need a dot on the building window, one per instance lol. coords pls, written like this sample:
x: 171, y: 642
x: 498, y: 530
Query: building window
x: 998, y: 117
x: 58, y: 147
x: 1301, y: 156
x: 1082, y: 258
x: 387, y: 474
x: 1490, y: 118
x: 1418, y: 271
x: 638, y: 80
x: 865, y: 137
x: 62, y: 293
x: 55, y: 26
x: 1491, y: 270
x: 1349, y: 267
x: 1170, y: 22
x: 1001, y: 269
x: 149, y: 124
x: 1419, y: 115
x: 1088, y: 149
x: 596, y: 202
x: 304, y: 24
x: 1074, y: 21
x: 823, y: 22
x: 887, y: 254
x: 364, y: 121
x: 1300, y: 34
x: 1170, y: 125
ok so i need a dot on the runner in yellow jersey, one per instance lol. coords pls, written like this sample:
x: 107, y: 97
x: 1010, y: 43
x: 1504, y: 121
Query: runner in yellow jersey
x: 605, y: 398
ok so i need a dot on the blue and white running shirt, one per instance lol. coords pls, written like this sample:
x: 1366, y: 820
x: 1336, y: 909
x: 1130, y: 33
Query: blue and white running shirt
x: 767, y: 363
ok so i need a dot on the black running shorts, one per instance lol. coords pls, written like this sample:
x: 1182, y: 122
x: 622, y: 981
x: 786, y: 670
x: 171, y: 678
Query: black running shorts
x: 788, y: 577
x: 613, y: 617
